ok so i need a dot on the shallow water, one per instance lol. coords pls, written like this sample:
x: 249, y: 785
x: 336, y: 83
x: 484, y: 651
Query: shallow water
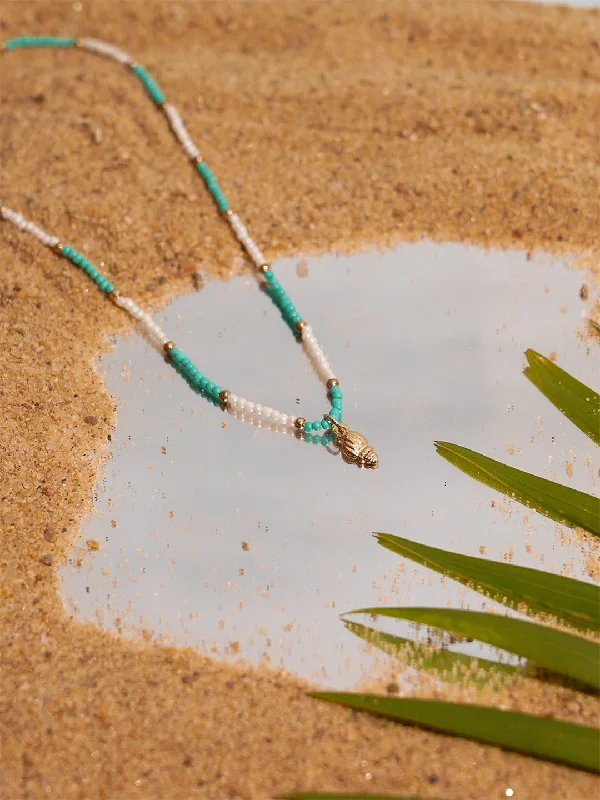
x: 250, y: 544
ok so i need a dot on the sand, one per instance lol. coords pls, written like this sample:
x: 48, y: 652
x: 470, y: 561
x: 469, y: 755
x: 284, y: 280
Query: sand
x: 331, y: 125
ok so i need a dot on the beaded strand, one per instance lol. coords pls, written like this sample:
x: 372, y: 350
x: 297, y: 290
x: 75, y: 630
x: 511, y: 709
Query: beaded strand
x: 236, y: 405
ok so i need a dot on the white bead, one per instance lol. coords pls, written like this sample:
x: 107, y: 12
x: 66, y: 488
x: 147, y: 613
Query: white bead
x: 29, y: 227
x: 258, y: 409
x: 272, y: 421
x: 106, y: 49
x: 245, y: 240
x: 316, y: 355
x: 152, y: 328
x: 180, y: 131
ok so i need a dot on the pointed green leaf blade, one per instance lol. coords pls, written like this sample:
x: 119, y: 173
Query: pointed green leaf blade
x: 550, y: 739
x: 425, y: 657
x: 554, y: 500
x: 545, y: 647
x: 574, y: 399
x: 574, y: 602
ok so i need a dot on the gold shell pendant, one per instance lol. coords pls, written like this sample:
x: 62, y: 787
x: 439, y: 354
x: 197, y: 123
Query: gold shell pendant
x: 354, y: 447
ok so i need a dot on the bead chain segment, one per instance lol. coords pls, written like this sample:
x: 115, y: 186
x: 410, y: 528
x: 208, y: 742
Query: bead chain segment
x: 238, y: 406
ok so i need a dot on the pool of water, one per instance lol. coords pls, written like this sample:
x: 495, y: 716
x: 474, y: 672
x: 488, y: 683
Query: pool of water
x: 249, y: 544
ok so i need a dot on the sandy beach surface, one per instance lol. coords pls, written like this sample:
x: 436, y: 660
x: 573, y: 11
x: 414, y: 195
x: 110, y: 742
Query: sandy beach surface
x: 331, y: 125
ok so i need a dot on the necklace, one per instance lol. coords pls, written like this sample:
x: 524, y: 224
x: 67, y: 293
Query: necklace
x: 353, y: 446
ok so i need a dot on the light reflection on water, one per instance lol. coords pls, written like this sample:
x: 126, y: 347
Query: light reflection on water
x: 248, y: 543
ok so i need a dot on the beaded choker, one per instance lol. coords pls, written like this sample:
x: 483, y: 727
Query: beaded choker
x: 353, y: 446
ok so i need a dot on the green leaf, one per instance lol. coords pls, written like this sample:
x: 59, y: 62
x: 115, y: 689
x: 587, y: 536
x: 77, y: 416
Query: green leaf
x: 554, y: 500
x: 545, y: 647
x: 550, y: 739
x: 330, y: 796
x: 424, y: 657
x: 574, y: 602
x: 575, y: 400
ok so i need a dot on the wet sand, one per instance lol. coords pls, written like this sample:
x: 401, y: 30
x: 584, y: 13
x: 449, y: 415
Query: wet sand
x: 334, y: 125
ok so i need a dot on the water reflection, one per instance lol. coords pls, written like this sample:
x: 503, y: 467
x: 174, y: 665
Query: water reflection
x: 245, y: 543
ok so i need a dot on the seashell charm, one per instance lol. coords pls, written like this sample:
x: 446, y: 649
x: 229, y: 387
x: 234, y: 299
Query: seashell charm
x: 354, y: 447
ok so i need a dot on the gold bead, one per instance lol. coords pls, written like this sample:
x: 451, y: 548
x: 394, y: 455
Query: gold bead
x: 332, y: 382
x: 224, y: 396
x: 264, y: 268
x: 114, y: 296
x: 58, y: 248
x: 300, y: 325
x: 132, y: 64
x: 300, y: 422
x: 198, y: 159
x: 168, y: 346
x: 78, y: 43
x: 227, y: 213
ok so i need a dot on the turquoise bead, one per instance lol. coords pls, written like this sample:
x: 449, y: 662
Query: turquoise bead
x: 326, y: 425
x: 212, y: 185
x: 39, y: 41
x: 194, y: 378
x: 76, y: 258
x: 149, y: 84
x: 282, y: 301
x: 222, y: 202
x: 308, y: 426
